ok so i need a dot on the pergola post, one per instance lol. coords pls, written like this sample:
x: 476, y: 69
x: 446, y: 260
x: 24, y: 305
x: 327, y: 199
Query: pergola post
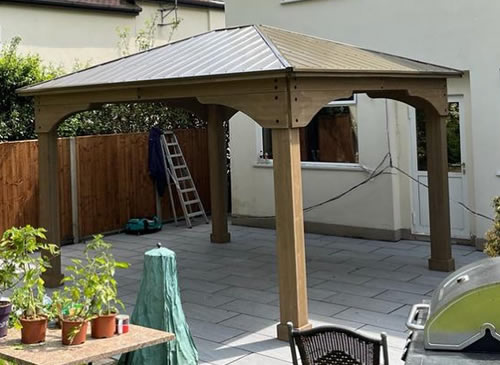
x: 439, y: 207
x: 48, y: 184
x: 218, y: 174
x: 289, y: 230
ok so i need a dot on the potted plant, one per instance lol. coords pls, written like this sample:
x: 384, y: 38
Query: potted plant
x: 492, y: 247
x: 8, y: 279
x: 30, y: 311
x: 101, y: 267
x: 93, y: 296
x: 72, y: 305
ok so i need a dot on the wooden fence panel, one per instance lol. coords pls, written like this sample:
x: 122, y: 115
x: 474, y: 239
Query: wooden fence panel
x: 19, y: 185
x: 113, y: 180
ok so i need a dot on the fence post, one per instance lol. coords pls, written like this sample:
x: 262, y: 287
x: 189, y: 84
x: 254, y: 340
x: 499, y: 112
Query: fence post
x: 73, y: 159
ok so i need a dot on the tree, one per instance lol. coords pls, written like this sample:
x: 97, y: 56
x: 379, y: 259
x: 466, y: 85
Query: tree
x: 17, y: 119
x: 16, y: 70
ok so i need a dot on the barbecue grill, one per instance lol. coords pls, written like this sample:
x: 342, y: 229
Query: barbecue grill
x: 464, y: 312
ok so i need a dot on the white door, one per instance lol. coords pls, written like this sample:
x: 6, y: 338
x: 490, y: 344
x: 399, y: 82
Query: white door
x: 456, y: 171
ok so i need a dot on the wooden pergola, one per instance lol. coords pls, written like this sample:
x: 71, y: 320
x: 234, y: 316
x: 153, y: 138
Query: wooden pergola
x: 280, y: 79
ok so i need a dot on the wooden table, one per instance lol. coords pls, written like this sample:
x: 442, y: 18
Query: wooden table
x: 53, y: 352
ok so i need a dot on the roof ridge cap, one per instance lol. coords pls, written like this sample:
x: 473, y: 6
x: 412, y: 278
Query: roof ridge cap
x: 273, y: 47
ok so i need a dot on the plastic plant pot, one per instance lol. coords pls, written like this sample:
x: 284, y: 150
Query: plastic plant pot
x: 104, y: 326
x: 68, y: 328
x: 33, y: 331
x: 5, y: 309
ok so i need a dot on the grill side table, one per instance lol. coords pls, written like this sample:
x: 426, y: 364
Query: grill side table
x: 417, y: 355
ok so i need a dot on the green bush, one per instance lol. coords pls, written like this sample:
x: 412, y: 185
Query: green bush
x: 16, y: 70
x: 17, y: 116
x: 128, y: 118
x: 492, y: 247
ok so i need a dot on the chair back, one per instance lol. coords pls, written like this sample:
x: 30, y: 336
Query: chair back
x: 328, y: 345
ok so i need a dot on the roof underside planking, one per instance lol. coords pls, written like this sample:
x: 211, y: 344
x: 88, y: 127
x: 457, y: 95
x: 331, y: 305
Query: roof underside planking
x: 240, y: 51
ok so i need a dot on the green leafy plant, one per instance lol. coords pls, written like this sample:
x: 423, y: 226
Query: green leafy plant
x: 145, y: 38
x: 17, y: 116
x: 17, y: 70
x: 492, y: 247
x: 73, y: 302
x: 18, y: 247
x: 101, y: 268
x: 94, y: 290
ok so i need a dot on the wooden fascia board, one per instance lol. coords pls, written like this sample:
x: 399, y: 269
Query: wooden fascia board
x: 164, y: 92
x: 193, y: 81
x: 387, y: 74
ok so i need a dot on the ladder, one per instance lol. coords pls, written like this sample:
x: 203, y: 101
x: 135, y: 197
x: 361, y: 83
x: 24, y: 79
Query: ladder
x: 178, y: 173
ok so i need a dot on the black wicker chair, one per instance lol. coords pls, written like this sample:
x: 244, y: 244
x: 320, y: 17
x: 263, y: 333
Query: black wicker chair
x: 328, y: 345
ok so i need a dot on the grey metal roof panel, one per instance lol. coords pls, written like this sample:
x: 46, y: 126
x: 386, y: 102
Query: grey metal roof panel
x: 306, y: 52
x: 221, y: 52
x: 238, y: 50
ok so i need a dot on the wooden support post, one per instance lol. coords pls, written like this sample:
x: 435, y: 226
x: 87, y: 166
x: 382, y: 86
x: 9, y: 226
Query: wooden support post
x: 289, y: 230
x: 75, y: 216
x: 439, y: 205
x: 218, y: 175
x: 48, y: 169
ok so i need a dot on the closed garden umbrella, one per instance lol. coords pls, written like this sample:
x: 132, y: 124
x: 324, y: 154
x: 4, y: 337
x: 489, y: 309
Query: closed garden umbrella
x: 159, y: 306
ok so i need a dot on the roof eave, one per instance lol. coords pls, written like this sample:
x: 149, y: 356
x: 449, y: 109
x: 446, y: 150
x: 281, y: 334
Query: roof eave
x: 244, y: 76
x: 195, y: 3
x: 203, y: 4
x: 132, y: 10
x: 26, y: 91
x: 356, y: 73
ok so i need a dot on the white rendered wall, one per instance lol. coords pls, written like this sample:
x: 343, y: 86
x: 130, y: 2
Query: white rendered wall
x: 372, y: 205
x: 64, y: 36
x: 456, y: 33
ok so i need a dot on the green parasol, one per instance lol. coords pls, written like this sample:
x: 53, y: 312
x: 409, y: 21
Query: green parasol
x: 159, y: 306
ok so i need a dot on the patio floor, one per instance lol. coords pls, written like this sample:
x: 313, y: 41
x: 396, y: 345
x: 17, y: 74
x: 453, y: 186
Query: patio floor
x: 230, y: 293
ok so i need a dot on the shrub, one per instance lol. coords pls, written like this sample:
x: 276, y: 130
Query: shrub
x: 16, y: 70
x: 492, y: 247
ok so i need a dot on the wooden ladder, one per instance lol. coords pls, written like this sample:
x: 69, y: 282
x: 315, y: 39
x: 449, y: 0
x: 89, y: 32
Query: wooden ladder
x: 178, y: 172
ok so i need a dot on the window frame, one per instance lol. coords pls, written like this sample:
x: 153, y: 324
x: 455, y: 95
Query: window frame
x: 310, y: 165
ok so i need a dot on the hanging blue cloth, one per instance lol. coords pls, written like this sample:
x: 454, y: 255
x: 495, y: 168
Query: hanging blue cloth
x: 155, y: 160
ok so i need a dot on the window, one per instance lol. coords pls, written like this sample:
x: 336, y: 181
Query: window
x: 453, y: 139
x: 331, y: 136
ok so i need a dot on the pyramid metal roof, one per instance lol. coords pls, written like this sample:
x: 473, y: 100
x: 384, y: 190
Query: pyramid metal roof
x: 242, y: 50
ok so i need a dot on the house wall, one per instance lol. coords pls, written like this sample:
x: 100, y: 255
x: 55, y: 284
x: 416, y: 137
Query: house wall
x: 455, y: 33
x: 65, y: 36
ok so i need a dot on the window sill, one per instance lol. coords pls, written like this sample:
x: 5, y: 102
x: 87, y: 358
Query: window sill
x: 331, y: 166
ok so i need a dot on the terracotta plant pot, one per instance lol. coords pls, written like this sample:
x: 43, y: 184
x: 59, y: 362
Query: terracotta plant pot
x: 33, y: 330
x: 5, y: 309
x: 104, y: 326
x: 67, y: 328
